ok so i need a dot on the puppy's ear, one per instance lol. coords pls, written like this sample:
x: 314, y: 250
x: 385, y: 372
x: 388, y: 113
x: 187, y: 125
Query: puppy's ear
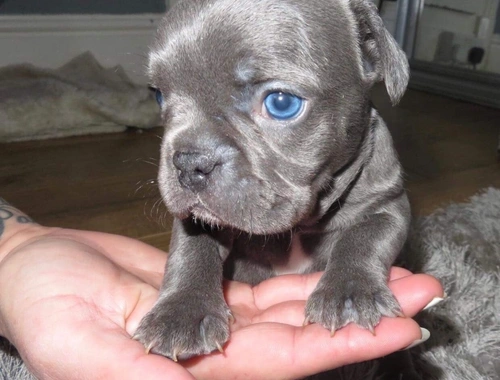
x: 383, y: 58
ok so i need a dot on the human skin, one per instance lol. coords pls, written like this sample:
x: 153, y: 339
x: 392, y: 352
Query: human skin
x: 71, y: 300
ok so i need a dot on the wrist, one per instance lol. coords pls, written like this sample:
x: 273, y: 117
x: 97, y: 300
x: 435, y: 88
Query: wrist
x: 15, y: 228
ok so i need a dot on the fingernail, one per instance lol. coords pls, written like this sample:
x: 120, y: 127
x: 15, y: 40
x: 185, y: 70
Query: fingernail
x: 425, y: 336
x: 434, y: 302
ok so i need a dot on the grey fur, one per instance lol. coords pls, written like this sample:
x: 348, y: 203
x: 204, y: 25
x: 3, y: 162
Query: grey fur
x: 243, y: 187
x: 460, y: 245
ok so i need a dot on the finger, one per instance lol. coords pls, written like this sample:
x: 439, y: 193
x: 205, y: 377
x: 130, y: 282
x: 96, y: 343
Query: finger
x: 413, y: 294
x: 354, y: 344
x: 144, y: 305
x: 295, y: 352
x: 138, y: 258
x: 284, y: 288
x: 397, y: 273
x: 298, y: 287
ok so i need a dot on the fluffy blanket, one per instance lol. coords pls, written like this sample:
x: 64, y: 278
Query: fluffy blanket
x: 460, y: 245
x: 78, y: 98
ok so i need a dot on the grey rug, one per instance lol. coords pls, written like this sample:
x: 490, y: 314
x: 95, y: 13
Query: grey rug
x: 460, y: 245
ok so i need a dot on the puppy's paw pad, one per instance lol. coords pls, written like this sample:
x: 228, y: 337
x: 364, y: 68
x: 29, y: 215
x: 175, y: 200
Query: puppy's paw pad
x: 183, y: 333
x: 335, y: 307
x: 214, y: 331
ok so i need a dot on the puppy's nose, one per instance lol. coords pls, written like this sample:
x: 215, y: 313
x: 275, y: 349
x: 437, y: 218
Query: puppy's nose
x: 194, y: 169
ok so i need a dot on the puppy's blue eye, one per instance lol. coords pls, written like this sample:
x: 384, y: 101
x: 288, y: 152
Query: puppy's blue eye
x: 159, y: 97
x: 283, y: 106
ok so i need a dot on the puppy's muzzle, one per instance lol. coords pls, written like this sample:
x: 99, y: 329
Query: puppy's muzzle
x: 194, y: 169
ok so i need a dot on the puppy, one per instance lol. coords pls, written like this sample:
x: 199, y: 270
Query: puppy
x: 274, y: 161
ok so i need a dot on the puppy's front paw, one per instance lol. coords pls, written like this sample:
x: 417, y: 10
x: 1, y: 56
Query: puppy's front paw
x: 334, y: 304
x: 180, y: 328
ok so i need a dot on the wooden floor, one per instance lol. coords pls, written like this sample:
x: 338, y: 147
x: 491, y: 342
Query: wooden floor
x: 106, y: 182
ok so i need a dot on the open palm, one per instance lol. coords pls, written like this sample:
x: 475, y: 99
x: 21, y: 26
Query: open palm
x: 71, y: 300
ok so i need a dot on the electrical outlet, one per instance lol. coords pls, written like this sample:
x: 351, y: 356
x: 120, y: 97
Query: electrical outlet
x: 455, y: 47
x: 463, y: 44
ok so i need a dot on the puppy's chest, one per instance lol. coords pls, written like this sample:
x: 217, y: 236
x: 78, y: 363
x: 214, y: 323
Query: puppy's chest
x: 280, y: 254
x: 296, y: 260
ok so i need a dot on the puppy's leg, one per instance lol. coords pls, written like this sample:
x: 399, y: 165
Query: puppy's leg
x: 191, y: 316
x: 354, y: 286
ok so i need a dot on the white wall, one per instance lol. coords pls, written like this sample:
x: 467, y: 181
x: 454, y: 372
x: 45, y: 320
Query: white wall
x: 472, y: 24
x: 493, y: 63
x: 51, y: 41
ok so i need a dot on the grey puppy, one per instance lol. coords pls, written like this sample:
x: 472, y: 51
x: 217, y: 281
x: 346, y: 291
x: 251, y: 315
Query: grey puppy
x: 274, y: 161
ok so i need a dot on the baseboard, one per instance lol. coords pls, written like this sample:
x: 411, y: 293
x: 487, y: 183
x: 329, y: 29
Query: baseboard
x: 52, y: 40
x: 467, y: 85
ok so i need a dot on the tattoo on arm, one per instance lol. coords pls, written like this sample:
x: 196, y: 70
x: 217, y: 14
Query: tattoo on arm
x: 8, y: 212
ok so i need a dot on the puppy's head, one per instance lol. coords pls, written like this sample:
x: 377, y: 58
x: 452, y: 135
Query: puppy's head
x: 263, y: 102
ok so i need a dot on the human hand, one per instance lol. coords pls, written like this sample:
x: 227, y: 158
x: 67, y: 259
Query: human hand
x: 71, y: 300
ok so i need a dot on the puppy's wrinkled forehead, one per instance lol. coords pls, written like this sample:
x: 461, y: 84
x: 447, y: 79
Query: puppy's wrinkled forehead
x: 227, y: 41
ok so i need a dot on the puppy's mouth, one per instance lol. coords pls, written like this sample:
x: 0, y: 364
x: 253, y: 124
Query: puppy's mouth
x: 199, y: 212
x: 250, y: 205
